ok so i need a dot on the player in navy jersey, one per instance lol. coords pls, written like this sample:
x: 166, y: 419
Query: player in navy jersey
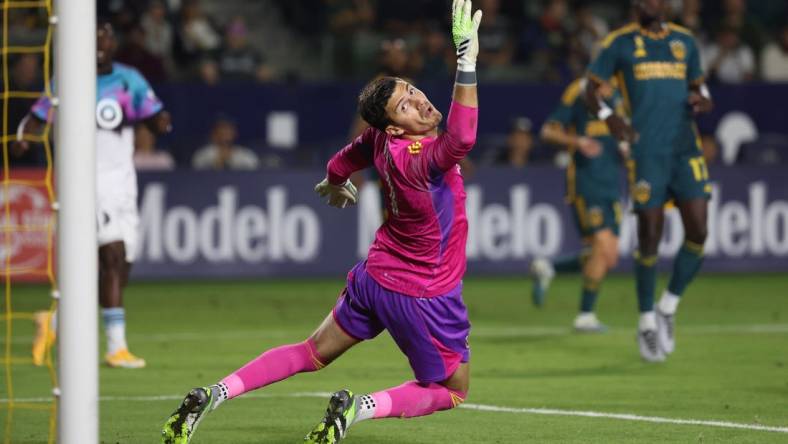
x: 657, y: 65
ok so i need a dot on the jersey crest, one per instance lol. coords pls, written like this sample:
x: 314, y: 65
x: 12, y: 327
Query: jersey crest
x: 596, y: 217
x: 642, y: 191
x: 678, y: 49
x: 415, y: 147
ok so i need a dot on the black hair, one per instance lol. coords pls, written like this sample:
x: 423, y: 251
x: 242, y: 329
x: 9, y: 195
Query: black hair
x: 373, y: 99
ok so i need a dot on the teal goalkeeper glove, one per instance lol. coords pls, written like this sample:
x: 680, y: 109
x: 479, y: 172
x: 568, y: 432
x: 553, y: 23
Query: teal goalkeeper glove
x: 339, y: 196
x: 464, y: 32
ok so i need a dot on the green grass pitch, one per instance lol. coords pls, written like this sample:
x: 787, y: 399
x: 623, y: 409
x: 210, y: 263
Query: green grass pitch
x: 731, y: 364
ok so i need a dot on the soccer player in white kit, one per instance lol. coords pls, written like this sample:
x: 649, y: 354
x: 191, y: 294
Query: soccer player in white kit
x: 123, y: 99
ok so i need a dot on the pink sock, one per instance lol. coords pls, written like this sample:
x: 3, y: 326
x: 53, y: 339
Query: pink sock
x: 273, y: 365
x: 414, y: 399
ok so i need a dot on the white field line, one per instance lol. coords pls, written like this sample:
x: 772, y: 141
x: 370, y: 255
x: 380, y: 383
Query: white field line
x: 480, y: 332
x: 478, y: 407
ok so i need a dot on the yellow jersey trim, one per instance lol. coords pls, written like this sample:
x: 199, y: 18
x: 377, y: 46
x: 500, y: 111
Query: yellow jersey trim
x: 674, y: 27
x: 626, y: 29
x: 571, y: 92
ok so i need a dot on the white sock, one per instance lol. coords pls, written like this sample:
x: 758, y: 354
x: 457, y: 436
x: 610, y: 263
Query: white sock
x: 648, y: 321
x: 669, y: 302
x: 585, y: 317
x: 115, y: 328
x: 220, y: 391
x: 365, y: 408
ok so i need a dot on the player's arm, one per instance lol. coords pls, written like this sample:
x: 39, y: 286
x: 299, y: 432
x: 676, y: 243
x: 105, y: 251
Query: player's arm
x: 30, y: 126
x: 33, y: 125
x: 148, y: 108
x: 567, y: 114
x: 465, y: 29
x: 618, y: 127
x: 159, y: 123
x: 555, y: 133
x: 699, y: 98
x: 337, y: 188
x: 460, y: 135
x: 603, y: 67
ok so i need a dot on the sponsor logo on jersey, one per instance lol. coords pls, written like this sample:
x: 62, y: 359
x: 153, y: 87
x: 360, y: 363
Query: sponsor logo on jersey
x: 660, y: 70
x: 109, y: 114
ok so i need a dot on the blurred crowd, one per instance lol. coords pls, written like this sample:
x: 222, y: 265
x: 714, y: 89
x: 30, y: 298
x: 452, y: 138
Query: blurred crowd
x: 545, y: 41
x: 542, y: 41
x: 521, y: 40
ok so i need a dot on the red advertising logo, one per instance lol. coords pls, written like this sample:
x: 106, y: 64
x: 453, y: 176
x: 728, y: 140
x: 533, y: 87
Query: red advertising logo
x: 26, y: 236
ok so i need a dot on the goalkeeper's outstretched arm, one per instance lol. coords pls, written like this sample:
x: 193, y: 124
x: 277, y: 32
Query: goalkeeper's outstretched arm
x: 464, y: 30
x: 462, y: 122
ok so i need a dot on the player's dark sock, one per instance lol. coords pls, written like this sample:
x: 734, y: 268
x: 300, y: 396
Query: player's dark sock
x: 685, y: 267
x: 589, y: 295
x: 569, y: 264
x: 646, y: 277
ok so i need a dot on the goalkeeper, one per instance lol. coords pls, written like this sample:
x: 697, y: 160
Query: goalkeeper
x: 411, y: 282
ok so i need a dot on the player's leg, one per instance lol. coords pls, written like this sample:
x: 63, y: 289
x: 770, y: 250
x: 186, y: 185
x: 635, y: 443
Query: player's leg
x: 432, y: 332
x: 603, y: 257
x: 649, y: 176
x: 345, y: 326
x: 117, y: 235
x: 650, y: 223
x: 45, y: 328
x: 326, y: 344
x: 113, y: 276
x: 685, y: 267
x: 691, y: 188
x: 433, y: 335
x: 543, y: 270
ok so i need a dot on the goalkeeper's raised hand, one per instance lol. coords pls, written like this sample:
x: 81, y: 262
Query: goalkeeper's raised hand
x: 339, y: 196
x: 464, y: 31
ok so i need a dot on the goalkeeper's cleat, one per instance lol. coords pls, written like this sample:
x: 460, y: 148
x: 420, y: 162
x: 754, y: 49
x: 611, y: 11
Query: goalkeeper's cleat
x: 124, y: 359
x: 649, y: 348
x: 542, y: 273
x: 44, y: 338
x: 340, y: 414
x: 666, y: 325
x: 180, y: 426
x: 589, y: 323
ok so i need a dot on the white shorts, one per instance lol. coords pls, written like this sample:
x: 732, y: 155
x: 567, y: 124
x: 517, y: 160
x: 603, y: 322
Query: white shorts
x: 119, y: 220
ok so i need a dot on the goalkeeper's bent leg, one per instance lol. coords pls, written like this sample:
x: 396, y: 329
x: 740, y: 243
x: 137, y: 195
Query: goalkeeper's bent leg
x: 274, y: 365
x: 409, y: 400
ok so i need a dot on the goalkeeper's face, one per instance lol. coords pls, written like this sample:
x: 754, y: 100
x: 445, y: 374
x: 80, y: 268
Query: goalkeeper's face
x: 410, y: 112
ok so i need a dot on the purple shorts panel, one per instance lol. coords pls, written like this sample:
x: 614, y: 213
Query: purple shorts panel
x: 431, y: 332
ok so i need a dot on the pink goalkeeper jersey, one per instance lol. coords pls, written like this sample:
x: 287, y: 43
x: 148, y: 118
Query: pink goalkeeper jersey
x: 420, y: 249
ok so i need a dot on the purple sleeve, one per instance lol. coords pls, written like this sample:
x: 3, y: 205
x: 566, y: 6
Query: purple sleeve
x: 355, y: 156
x: 457, y: 140
x: 41, y: 109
